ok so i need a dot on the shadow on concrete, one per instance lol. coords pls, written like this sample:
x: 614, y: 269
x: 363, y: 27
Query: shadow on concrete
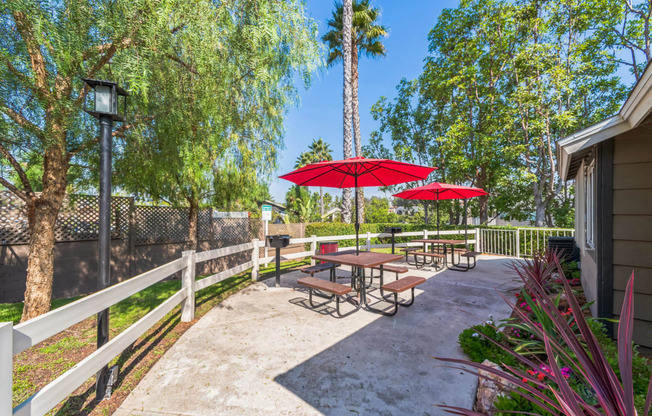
x: 386, y: 367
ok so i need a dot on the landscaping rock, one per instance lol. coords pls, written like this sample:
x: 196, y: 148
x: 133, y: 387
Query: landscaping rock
x: 489, y: 389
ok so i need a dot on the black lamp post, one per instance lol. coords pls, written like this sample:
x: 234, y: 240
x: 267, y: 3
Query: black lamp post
x: 105, y: 108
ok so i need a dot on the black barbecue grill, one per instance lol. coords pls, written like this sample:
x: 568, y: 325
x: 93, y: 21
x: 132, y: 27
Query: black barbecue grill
x: 278, y: 242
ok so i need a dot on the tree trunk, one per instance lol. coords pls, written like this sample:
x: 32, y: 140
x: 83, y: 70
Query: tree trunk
x: 321, y: 202
x: 357, y: 137
x: 193, y: 212
x: 425, y: 212
x: 347, y: 20
x: 42, y: 215
x: 483, y: 208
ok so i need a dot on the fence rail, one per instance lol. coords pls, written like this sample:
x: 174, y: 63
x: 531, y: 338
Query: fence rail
x: 15, y: 339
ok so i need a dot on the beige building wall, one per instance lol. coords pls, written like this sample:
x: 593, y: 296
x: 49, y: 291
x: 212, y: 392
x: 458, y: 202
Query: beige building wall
x: 632, y: 225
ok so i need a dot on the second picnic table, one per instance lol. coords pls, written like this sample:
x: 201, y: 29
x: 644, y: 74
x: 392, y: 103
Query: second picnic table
x: 433, y: 242
x: 359, y: 262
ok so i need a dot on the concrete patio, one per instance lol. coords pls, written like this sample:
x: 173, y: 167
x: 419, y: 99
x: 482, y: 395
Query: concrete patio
x: 264, y: 352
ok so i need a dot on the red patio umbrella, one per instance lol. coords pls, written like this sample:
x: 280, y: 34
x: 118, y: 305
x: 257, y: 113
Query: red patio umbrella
x: 357, y: 172
x: 436, y: 191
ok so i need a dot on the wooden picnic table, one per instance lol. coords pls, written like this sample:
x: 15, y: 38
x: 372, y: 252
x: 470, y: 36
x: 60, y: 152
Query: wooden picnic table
x: 444, y: 242
x: 359, y: 262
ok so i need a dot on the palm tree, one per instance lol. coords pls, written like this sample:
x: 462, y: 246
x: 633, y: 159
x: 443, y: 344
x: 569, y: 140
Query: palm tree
x: 347, y: 17
x: 305, y: 158
x: 366, y: 35
x: 320, y: 151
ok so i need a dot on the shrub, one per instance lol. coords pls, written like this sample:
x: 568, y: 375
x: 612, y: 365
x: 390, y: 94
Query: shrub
x: 479, y: 347
x: 603, y: 392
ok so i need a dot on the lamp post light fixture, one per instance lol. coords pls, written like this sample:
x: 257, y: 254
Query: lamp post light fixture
x: 106, y: 97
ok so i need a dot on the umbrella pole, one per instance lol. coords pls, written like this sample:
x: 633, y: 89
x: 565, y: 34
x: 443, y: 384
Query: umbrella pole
x: 437, y: 202
x: 466, y: 235
x: 357, y: 221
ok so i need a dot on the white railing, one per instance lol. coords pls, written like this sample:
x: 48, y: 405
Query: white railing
x: 18, y: 338
x: 521, y: 242
x: 365, y: 241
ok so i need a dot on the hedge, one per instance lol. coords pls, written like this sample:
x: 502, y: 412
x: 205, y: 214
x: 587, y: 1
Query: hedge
x: 338, y: 228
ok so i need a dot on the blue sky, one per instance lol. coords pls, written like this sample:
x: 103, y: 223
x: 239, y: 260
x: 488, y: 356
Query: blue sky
x: 320, y: 111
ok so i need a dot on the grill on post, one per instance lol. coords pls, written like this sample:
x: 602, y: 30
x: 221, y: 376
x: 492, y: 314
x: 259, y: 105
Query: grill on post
x: 278, y: 242
x: 392, y: 231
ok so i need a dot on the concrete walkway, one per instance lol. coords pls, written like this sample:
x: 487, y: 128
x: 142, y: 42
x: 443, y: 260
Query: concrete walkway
x: 263, y: 352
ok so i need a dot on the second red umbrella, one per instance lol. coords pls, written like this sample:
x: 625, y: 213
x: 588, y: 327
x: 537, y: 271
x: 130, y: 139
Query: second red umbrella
x: 436, y: 191
x: 357, y: 172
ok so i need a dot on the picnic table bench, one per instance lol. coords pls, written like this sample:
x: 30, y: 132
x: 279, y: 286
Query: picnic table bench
x: 399, y: 286
x: 335, y: 289
x: 320, y: 268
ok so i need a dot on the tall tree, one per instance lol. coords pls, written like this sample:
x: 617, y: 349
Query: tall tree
x: 366, y: 35
x: 563, y: 82
x: 46, y: 48
x: 347, y: 15
x: 218, y: 126
x: 625, y: 29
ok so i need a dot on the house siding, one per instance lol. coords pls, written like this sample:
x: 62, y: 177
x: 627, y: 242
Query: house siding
x: 632, y: 226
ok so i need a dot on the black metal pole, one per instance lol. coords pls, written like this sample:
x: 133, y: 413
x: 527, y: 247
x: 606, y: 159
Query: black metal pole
x: 466, y: 235
x: 278, y: 267
x: 437, y: 202
x: 104, y: 243
x: 357, y: 221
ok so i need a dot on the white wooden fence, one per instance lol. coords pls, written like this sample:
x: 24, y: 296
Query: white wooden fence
x: 18, y: 338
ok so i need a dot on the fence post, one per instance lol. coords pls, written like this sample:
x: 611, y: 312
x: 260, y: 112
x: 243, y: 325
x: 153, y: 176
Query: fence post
x: 188, y: 283
x: 255, y: 259
x: 425, y: 234
x: 518, y: 242
x: 368, y: 241
x: 478, y: 241
x: 6, y: 367
x: 265, y: 231
x: 313, y: 248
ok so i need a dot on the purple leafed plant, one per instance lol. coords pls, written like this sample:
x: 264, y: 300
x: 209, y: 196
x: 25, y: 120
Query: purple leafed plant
x: 565, y: 353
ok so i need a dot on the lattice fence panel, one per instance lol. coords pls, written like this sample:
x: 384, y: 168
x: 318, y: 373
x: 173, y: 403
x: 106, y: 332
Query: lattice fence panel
x: 77, y: 221
x: 294, y: 230
x: 161, y: 225
x: 13, y: 220
x: 80, y: 215
x: 204, y: 231
x: 231, y: 231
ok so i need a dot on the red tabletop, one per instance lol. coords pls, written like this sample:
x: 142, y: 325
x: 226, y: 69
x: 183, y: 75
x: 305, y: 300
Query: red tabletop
x: 365, y: 259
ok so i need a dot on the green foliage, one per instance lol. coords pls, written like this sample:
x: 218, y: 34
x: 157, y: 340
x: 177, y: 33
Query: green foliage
x: 377, y: 211
x: 218, y: 113
x: 504, y: 81
x: 366, y: 33
x: 641, y: 366
x: 479, y: 348
x: 513, y: 402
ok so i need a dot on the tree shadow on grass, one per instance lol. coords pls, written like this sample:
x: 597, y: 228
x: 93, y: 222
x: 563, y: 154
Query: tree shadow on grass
x: 79, y: 405
x: 136, y: 353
